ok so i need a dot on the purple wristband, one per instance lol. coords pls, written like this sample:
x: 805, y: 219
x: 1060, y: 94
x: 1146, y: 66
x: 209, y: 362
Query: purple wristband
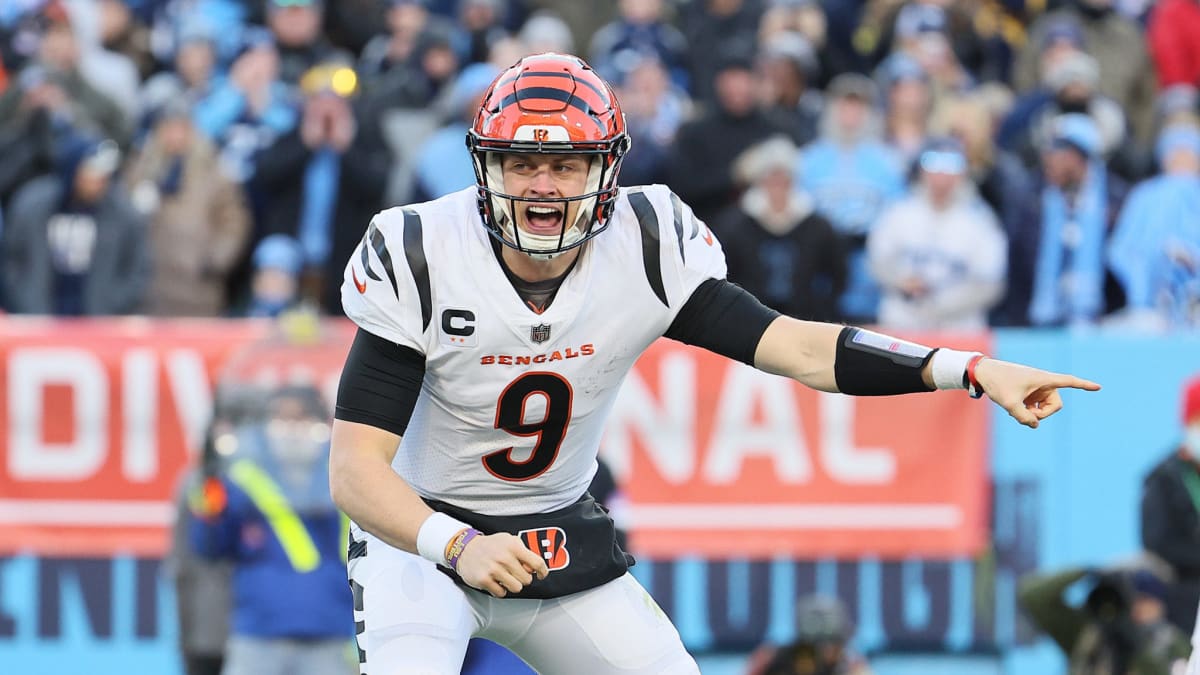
x: 459, y: 545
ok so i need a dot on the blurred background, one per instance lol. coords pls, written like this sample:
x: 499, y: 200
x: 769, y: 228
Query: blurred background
x: 182, y: 181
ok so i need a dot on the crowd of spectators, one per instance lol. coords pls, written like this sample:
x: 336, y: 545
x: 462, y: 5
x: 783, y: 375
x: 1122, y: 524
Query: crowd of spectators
x: 921, y: 164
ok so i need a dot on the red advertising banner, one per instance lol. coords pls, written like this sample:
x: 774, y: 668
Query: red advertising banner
x: 98, y: 420
x: 720, y: 460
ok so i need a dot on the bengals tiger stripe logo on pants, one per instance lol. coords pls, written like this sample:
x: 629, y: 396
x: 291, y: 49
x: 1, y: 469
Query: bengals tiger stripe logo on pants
x: 550, y: 543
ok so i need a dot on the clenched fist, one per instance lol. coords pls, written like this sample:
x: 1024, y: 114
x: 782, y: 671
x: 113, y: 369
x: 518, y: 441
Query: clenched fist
x: 499, y: 564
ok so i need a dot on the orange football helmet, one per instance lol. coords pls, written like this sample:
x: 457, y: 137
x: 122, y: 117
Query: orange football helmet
x: 555, y: 104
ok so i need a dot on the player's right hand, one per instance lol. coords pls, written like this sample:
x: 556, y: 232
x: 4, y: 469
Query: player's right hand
x: 499, y: 564
x: 1028, y: 394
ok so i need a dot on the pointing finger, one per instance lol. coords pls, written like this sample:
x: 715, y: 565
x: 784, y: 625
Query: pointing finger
x: 1072, y: 382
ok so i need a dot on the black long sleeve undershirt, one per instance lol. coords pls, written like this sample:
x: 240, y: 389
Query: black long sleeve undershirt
x: 381, y: 380
x: 380, y: 383
x: 723, y: 318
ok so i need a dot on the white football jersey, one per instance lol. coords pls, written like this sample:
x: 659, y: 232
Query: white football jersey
x: 512, y: 408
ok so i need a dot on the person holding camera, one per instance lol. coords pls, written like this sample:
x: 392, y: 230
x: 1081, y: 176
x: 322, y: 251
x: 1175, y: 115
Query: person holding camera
x: 821, y: 645
x: 1121, y: 628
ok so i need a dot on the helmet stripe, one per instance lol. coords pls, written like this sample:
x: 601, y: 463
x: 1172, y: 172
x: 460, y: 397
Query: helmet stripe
x: 551, y: 94
x: 539, y: 82
x: 561, y: 74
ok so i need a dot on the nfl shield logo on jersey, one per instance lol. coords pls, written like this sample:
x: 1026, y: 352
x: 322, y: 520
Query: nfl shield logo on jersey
x: 539, y: 333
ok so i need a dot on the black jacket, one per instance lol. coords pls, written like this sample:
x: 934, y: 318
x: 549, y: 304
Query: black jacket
x: 700, y: 170
x: 279, y: 183
x: 120, y: 267
x: 801, y: 273
x: 1171, y: 518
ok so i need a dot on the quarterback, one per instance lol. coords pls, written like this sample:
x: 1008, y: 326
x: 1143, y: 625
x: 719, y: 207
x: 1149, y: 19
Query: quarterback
x: 496, y: 325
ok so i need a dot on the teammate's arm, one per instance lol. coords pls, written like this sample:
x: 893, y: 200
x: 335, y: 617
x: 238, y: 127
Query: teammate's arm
x: 376, y: 397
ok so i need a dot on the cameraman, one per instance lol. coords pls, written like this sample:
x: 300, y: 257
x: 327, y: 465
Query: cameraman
x: 1121, y: 629
x: 823, y: 629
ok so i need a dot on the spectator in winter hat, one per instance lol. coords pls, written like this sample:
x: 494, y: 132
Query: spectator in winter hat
x: 198, y: 219
x: 776, y: 244
x: 73, y: 244
x: 939, y: 254
x: 1119, y: 46
x: 1080, y: 200
x: 275, y: 287
x: 788, y: 68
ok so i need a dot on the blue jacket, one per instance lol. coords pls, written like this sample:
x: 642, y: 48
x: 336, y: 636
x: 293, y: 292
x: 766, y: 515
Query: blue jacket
x: 271, y: 599
x: 851, y: 186
x: 1156, y: 246
x: 443, y: 164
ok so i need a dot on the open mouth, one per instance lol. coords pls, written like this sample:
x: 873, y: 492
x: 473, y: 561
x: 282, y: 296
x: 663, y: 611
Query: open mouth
x: 544, y: 218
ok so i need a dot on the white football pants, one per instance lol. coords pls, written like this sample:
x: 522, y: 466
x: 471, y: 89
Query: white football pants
x: 415, y: 621
x: 1193, y: 666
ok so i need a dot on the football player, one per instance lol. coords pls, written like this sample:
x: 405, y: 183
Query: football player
x: 1193, y: 665
x: 496, y: 326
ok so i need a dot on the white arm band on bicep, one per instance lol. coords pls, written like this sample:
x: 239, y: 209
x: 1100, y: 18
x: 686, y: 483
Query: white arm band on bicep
x: 437, y: 531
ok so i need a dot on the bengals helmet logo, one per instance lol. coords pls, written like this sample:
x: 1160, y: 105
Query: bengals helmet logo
x: 550, y: 543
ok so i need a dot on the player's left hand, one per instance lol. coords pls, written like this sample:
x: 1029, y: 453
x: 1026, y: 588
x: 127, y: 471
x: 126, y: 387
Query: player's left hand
x: 1028, y: 394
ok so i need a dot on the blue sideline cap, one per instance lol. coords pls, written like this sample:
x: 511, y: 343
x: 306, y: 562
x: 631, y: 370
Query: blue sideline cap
x: 280, y: 252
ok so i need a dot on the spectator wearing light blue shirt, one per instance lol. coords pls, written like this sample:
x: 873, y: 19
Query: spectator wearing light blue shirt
x: 1155, y: 250
x: 852, y: 175
x: 444, y: 165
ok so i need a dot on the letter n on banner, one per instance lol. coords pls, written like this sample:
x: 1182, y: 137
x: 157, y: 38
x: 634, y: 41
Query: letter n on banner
x: 745, y: 464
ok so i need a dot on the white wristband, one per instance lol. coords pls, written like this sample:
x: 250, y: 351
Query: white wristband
x: 949, y: 368
x: 435, y: 533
